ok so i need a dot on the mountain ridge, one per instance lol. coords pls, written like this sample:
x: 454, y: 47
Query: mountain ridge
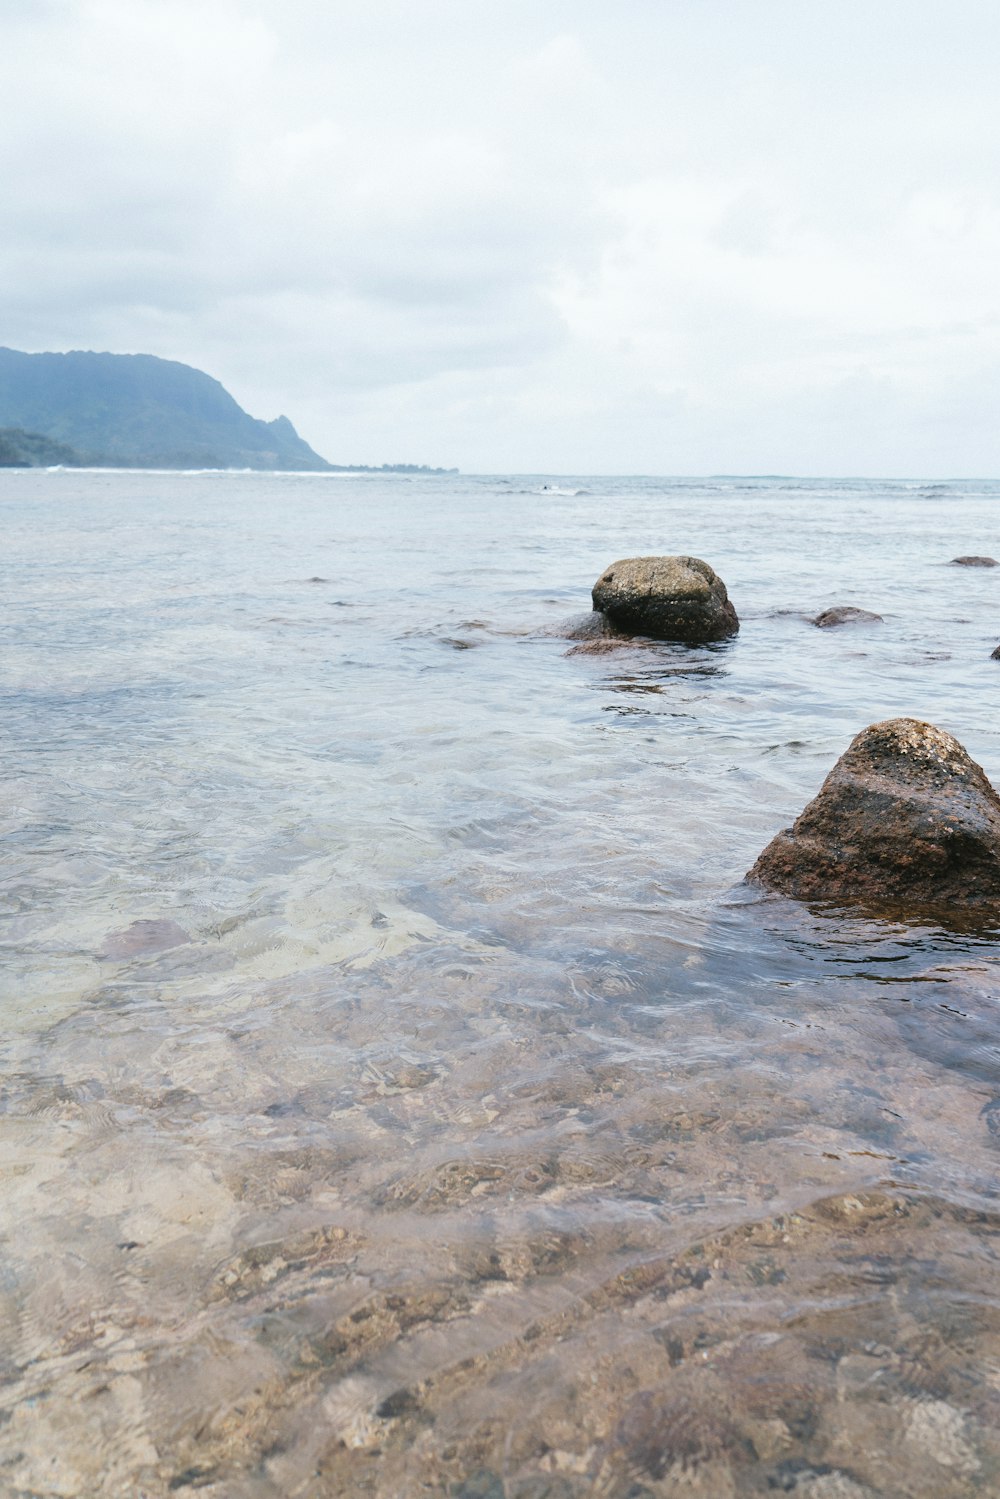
x: 137, y: 410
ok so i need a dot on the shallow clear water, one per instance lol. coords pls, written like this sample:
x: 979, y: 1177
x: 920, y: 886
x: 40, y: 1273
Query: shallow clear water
x: 401, y: 1095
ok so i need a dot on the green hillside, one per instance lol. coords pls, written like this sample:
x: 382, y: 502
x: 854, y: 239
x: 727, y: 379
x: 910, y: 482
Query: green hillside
x: 134, y: 410
x: 20, y: 449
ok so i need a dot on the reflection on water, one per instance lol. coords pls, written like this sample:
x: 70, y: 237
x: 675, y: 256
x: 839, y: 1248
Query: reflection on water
x: 400, y: 1095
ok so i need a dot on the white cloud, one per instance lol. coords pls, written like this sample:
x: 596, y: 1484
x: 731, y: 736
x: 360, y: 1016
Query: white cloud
x: 560, y: 69
x: 556, y: 235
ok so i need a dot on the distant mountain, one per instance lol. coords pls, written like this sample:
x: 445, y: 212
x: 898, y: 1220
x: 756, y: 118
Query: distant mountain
x: 134, y: 410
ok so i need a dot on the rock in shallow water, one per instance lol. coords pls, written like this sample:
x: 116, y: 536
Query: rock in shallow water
x: 592, y: 626
x: 670, y: 598
x: 846, y: 614
x: 974, y: 562
x: 905, y: 819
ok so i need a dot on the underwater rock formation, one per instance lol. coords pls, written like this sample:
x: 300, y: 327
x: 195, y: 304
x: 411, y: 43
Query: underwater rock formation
x: 846, y: 614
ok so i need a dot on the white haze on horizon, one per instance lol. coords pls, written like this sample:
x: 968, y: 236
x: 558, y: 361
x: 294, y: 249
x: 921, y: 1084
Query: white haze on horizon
x: 669, y: 236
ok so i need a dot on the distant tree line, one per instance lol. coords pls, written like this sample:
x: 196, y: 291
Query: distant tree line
x: 20, y: 449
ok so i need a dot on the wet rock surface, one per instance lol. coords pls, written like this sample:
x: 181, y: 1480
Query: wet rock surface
x: 846, y: 615
x: 905, y: 820
x: 974, y: 562
x: 593, y: 626
x: 613, y: 642
x: 669, y: 598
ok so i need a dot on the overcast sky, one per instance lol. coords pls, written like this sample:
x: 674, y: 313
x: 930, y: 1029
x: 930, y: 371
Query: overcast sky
x: 648, y: 236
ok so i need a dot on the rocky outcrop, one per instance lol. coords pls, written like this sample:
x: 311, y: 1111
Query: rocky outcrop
x: 904, y: 821
x: 669, y: 598
x: 974, y: 562
x: 846, y: 614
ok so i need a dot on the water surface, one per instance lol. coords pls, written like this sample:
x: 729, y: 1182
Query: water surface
x: 400, y: 1093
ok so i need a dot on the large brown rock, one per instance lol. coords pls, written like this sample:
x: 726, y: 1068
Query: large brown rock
x: 905, y: 820
x: 670, y: 598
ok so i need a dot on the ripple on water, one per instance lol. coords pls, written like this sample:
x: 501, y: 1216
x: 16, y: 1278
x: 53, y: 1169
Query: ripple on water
x: 399, y: 1093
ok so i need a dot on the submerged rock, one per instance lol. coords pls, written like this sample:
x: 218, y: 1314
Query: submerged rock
x: 610, y: 645
x: 905, y: 819
x: 590, y: 626
x: 670, y: 598
x: 974, y: 562
x: 141, y: 938
x: 846, y: 614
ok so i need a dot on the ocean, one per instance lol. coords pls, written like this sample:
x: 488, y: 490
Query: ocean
x: 401, y: 1092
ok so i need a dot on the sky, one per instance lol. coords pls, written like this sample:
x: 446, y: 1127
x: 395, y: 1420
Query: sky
x: 542, y: 236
